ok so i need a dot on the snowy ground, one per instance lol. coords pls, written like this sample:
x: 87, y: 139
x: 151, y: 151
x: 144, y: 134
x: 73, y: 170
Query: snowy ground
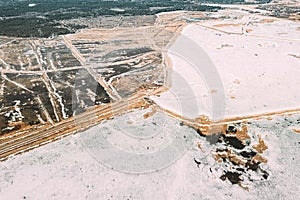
x: 255, y: 70
x: 67, y: 169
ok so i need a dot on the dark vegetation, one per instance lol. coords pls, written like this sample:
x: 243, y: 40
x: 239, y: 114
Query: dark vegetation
x: 43, y: 19
x: 235, y: 1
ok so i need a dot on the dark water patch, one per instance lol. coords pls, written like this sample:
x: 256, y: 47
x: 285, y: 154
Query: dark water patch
x: 252, y: 165
x: 231, y: 129
x: 233, y: 177
x: 248, y: 154
x: 232, y: 141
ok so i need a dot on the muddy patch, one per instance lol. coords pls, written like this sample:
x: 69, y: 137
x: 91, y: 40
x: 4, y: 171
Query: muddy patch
x: 239, y: 154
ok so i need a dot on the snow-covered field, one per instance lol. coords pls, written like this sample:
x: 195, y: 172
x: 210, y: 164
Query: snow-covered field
x: 67, y: 169
x: 256, y: 58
